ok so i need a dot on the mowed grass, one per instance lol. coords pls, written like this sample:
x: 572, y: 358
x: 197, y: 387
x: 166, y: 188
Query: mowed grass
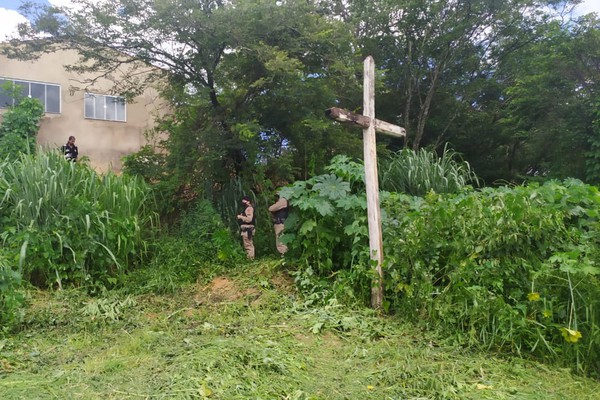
x: 248, y: 335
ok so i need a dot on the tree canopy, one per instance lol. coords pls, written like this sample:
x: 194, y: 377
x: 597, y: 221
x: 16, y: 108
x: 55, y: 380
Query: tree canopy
x: 512, y: 85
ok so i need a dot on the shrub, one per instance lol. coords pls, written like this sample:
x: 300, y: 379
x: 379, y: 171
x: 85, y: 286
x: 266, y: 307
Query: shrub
x: 327, y: 234
x: 510, y: 268
x: 19, y: 128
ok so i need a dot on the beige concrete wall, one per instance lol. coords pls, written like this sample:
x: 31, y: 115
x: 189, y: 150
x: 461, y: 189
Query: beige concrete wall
x: 104, y: 142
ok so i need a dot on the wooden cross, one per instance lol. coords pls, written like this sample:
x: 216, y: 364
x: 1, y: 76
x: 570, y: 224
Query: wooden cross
x: 370, y: 125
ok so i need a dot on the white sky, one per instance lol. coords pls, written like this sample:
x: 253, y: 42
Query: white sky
x: 10, y: 18
x: 589, y: 6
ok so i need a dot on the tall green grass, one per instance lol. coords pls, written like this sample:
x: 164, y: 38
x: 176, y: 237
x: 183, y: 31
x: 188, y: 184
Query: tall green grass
x: 418, y: 172
x: 65, y: 222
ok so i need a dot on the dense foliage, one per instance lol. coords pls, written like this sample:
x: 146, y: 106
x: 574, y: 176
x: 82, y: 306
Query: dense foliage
x: 19, y: 128
x: 510, y: 85
x: 512, y: 269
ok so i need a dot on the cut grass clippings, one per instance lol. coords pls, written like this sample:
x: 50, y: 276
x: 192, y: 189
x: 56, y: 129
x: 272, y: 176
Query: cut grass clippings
x: 255, y: 340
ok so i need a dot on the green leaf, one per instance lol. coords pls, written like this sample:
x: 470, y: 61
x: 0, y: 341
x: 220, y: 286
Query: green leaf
x: 331, y: 186
x: 324, y: 208
x: 307, y: 226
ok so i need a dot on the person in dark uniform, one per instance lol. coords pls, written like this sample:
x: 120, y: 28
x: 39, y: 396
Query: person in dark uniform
x: 69, y: 150
x: 247, y: 221
x: 279, y: 211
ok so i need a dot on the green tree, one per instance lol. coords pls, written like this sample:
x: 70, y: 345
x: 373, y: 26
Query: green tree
x: 433, y: 54
x: 248, y: 80
x: 536, y: 121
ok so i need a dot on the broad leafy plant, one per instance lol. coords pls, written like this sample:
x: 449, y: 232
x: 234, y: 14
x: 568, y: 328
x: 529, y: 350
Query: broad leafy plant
x: 327, y: 230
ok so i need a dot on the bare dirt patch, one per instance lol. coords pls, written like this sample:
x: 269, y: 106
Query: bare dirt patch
x: 284, y: 282
x: 221, y: 290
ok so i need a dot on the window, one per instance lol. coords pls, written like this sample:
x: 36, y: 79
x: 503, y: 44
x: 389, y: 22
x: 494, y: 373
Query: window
x: 47, y: 93
x: 108, y: 108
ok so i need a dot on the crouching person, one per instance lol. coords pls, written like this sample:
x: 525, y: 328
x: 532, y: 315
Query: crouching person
x: 247, y: 229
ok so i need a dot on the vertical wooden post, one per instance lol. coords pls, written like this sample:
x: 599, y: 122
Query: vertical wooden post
x: 370, y: 125
x: 371, y: 181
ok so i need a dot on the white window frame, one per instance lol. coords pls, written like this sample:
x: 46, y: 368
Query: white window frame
x: 17, y: 81
x: 92, y: 98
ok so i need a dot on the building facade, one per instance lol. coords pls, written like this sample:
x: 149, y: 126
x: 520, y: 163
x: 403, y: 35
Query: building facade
x: 105, y: 126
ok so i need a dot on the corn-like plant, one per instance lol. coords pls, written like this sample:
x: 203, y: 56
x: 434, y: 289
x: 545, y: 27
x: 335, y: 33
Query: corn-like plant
x: 64, y: 221
x: 418, y: 172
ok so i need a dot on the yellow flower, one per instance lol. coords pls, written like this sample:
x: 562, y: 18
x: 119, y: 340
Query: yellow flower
x: 370, y: 387
x: 570, y: 335
x: 533, y: 296
x: 547, y: 313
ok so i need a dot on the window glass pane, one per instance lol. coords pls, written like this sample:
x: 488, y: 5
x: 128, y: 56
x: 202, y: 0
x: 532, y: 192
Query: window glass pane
x: 89, y: 105
x: 111, y: 108
x: 38, y: 91
x: 121, y: 110
x: 108, y: 108
x: 22, y: 89
x: 5, y: 98
x: 100, y: 111
x: 52, y: 98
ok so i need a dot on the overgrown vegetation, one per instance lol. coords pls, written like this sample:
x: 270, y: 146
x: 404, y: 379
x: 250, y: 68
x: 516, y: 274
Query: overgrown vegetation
x: 249, y: 334
x: 64, y: 223
x: 198, y: 246
x: 19, y: 128
x: 419, y: 172
x: 513, y: 269
x: 510, y: 269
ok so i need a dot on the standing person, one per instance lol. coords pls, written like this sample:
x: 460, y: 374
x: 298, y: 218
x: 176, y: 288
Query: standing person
x: 247, y: 221
x: 70, y: 150
x: 279, y: 211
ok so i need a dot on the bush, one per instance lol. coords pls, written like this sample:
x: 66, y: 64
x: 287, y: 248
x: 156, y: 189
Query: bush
x: 514, y: 269
x: 19, y: 128
x: 327, y: 233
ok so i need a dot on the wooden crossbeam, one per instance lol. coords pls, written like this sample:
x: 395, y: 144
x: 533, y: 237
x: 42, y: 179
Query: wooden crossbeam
x: 341, y: 115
